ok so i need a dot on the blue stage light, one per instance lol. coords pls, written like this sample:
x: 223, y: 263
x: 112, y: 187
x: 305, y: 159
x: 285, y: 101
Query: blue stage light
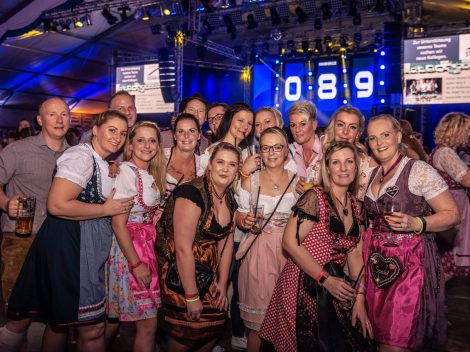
x: 277, y: 74
x: 345, y: 70
x: 381, y: 83
x: 277, y: 62
x: 382, y: 67
x: 277, y: 88
x: 345, y: 101
x: 382, y: 101
x: 382, y: 53
x: 310, y: 73
x: 310, y: 87
x: 345, y: 85
x: 277, y: 105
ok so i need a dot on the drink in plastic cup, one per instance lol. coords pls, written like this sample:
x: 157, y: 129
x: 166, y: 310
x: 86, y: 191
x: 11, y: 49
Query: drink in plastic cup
x: 259, y: 217
x: 309, y: 183
x: 25, y: 216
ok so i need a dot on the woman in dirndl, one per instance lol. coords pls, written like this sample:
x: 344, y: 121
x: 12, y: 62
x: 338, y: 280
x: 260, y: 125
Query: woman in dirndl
x: 315, y: 305
x: 406, y: 201
x: 133, y: 284
x: 63, y: 279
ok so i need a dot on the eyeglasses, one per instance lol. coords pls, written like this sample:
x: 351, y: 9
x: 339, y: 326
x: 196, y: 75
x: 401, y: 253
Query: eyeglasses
x: 215, y: 118
x: 267, y: 148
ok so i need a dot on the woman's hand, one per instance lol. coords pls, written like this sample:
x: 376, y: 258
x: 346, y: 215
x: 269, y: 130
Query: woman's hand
x: 251, y: 164
x: 248, y: 221
x: 117, y: 206
x: 142, y: 276
x: 299, y: 187
x: 339, y: 289
x: 359, y: 312
x: 194, y: 310
x: 401, y: 222
x: 222, y: 300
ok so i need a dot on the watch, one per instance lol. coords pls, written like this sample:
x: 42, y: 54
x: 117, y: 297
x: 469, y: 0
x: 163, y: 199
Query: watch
x: 321, y: 278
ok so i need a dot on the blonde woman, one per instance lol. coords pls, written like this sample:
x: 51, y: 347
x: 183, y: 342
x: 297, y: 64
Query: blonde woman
x: 452, y: 132
x: 347, y: 125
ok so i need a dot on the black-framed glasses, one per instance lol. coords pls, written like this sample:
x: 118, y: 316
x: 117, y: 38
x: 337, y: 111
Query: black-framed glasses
x: 216, y: 117
x: 276, y: 148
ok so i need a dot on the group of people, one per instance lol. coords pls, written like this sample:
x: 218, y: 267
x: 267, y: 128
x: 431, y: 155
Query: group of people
x: 327, y: 247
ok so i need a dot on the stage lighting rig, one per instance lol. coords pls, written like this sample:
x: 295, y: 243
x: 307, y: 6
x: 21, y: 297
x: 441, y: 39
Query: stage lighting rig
x: 252, y: 24
x: 301, y: 15
x: 123, y: 10
x: 109, y: 17
x: 275, y: 18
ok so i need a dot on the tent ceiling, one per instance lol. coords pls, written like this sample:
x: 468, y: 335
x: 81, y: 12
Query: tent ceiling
x: 76, y: 64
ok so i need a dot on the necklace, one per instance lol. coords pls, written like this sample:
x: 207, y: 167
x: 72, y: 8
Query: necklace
x: 220, y: 198
x: 275, y: 184
x: 345, y: 210
x: 394, y: 165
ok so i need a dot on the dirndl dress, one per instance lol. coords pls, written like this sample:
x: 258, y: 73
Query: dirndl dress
x: 62, y: 279
x: 127, y: 300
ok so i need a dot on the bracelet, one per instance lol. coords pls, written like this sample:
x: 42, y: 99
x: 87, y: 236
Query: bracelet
x: 362, y: 287
x: 360, y: 293
x: 425, y: 224
x: 191, y: 295
x: 133, y: 266
x: 194, y: 299
x: 243, y: 174
x: 321, y: 278
x: 421, y: 226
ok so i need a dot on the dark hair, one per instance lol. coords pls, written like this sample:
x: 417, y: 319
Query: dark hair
x: 120, y: 93
x: 214, y: 105
x: 186, y: 116
x: 195, y: 96
x: 226, y: 122
x: 108, y: 115
x: 410, y: 140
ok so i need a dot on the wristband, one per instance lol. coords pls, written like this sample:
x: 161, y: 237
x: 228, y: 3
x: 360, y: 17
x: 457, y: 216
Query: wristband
x: 243, y: 174
x: 133, y: 266
x: 421, y: 226
x: 191, y: 295
x: 423, y: 220
x: 194, y: 299
x: 321, y: 278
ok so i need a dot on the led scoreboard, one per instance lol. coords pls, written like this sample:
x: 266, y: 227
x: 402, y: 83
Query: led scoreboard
x: 327, y: 82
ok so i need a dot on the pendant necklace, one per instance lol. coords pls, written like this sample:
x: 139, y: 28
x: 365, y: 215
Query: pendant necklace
x: 345, y: 209
x: 275, y: 184
x: 220, y: 198
x: 394, y: 165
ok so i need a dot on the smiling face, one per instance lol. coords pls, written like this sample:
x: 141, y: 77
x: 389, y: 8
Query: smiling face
x: 198, y: 109
x: 223, y: 168
x: 214, y: 116
x: 144, y: 145
x: 242, y: 124
x: 384, y: 140
x: 302, y: 128
x: 54, y: 118
x: 263, y: 120
x: 110, y: 136
x: 273, y: 148
x: 346, y: 127
x: 126, y: 105
x: 342, y: 167
x: 186, y: 135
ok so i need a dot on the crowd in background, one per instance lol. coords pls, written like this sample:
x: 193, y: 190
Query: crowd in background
x: 334, y: 241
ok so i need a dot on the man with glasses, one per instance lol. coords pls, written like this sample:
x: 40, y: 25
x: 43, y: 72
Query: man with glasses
x: 215, y: 113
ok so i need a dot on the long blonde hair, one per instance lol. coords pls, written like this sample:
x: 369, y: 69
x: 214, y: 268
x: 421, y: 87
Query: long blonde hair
x: 334, y: 147
x: 329, y: 135
x: 157, y: 166
x: 453, y: 130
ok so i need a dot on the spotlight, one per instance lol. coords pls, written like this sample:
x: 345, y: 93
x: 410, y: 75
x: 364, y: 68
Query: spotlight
x: 275, y: 18
x: 276, y: 34
x: 66, y: 25
x: 343, y: 42
x: 109, y: 17
x: 123, y: 11
x: 145, y: 14
x: 317, y: 24
x: 357, y: 19
x: 230, y: 26
x: 352, y: 8
x: 47, y: 24
x: 325, y: 9
x: 77, y: 23
x: 305, y: 46
x: 318, y: 46
x: 155, y: 29
x: 252, y: 24
x: 301, y: 15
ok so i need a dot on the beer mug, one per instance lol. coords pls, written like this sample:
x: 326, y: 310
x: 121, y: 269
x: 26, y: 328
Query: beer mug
x: 25, y: 216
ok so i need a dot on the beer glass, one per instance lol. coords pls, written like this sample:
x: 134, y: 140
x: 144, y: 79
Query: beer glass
x: 309, y: 182
x: 25, y: 216
x: 258, y: 212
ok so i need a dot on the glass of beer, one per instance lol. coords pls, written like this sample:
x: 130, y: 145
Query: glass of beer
x: 25, y: 216
x: 309, y: 182
x: 258, y: 212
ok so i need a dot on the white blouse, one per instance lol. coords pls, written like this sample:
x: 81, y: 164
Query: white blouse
x: 76, y: 165
x: 125, y: 184
x: 446, y: 159
x: 423, y: 180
